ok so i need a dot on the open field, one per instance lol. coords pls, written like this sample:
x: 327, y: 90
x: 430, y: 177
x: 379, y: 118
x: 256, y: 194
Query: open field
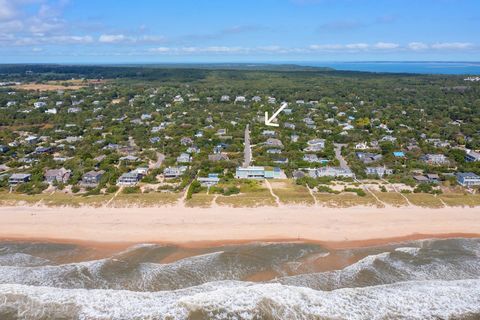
x: 291, y: 193
x: 56, y: 85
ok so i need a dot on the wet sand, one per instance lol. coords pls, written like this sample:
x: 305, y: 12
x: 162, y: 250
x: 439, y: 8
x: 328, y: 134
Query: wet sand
x: 196, y: 227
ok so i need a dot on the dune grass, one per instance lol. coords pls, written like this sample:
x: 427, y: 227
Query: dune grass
x: 252, y: 194
x: 346, y: 199
x: 200, y: 200
x: 460, y: 199
x: 151, y: 199
x: 392, y: 198
x: 424, y: 200
x: 55, y: 199
x: 290, y: 193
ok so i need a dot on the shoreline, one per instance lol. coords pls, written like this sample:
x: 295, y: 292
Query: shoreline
x: 197, y: 227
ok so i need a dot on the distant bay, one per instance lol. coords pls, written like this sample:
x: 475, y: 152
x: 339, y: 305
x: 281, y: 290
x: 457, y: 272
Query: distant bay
x: 460, y: 68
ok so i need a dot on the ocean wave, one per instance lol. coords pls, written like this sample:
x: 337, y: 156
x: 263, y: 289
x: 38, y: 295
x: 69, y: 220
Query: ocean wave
x: 137, y: 268
x: 434, y: 299
x: 21, y: 260
x: 451, y: 259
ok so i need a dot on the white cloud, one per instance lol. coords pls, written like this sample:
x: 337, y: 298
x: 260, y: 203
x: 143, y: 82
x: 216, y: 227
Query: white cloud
x: 357, y: 46
x: 386, y: 45
x: 452, y: 45
x: 417, y: 46
x: 325, y: 47
x: 339, y: 47
x: 7, y: 10
x: 112, y: 38
x: 160, y: 50
x: 121, y: 38
x: 46, y: 40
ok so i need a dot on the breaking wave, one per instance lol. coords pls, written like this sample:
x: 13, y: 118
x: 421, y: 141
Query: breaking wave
x: 430, y: 279
x: 458, y: 299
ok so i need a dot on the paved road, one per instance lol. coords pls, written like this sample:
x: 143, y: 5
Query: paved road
x: 338, y: 155
x: 157, y: 164
x: 247, y: 153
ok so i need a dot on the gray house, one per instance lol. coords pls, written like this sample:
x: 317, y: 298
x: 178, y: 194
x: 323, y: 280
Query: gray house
x: 18, y: 178
x: 57, y: 175
x: 92, y: 178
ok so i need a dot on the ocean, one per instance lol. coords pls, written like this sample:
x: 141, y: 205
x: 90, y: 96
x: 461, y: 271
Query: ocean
x: 458, y: 68
x: 428, y: 279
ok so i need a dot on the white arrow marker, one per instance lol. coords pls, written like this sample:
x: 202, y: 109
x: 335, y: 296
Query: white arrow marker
x: 268, y: 121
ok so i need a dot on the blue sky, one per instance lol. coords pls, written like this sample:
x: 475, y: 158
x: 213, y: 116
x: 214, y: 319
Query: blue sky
x: 117, y: 31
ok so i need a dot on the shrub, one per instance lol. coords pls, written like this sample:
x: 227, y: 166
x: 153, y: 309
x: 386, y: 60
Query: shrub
x: 112, y: 189
x: 230, y: 191
x: 195, y: 187
x: 130, y: 190
x: 358, y: 191
x: 323, y: 188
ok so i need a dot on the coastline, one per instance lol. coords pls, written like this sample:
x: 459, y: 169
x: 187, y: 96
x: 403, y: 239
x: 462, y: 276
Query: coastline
x: 197, y: 227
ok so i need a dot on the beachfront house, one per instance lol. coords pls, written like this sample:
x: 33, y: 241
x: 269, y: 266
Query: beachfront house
x: 468, y: 179
x: 129, y: 179
x: 427, y: 178
x: 209, y: 181
x: 174, y: 172
x: 378, y: 171
x: 332, y: 172
x: 18, y: 178
x: 253, y: 172
x: 57, y: 175
x: 92, y: 178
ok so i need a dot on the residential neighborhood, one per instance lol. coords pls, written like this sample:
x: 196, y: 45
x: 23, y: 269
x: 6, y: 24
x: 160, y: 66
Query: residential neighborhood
x: 107, y: 137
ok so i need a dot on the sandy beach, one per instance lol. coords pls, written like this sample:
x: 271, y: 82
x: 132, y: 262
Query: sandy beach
x: 187, y: 226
